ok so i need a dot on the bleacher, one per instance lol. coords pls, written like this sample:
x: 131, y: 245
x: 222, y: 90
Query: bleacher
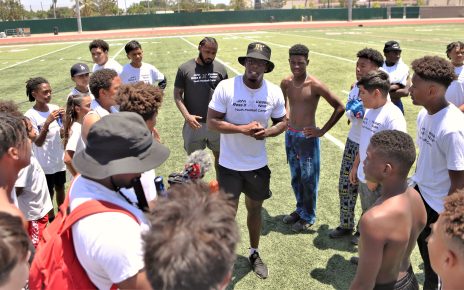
x: 18, y: 32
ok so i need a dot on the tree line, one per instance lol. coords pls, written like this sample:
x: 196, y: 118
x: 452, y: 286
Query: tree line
x: 15, y: 10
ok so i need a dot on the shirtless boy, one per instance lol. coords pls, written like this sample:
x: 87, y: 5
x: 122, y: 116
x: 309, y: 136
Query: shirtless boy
x: 385, y: 247
x: 302, y: 93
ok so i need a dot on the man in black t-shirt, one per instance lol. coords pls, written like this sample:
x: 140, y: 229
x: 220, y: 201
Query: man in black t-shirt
x: 195, y: 82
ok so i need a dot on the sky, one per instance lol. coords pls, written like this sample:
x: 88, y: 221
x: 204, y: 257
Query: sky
x: 37, y: 4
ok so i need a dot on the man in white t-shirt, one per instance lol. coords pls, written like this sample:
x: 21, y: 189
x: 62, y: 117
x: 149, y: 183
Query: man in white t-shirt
x: 109, y: 245
x: 368, y: 60
x: 440, y: 138
x: 381, y: 114
x: 240, y: 110
x: 104, y: 85
x: 99, y: 50
x: 138, y: 71
x: 455, y: 92
x: 398, y: 72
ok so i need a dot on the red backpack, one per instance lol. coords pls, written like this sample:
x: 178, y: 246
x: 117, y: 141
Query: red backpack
x: 55, y: 265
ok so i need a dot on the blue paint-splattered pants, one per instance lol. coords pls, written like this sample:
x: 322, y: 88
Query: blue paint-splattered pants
x: 303, y: 156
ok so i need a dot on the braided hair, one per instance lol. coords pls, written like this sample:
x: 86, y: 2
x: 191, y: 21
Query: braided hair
x: 32, y: 84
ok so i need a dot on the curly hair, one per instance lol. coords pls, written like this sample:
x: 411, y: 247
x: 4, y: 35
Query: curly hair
x: 11, y: 108
x: 454, y: 217
x: 99, y: 43
x: 14, y: 245
x: 140, y: 98
x: 101, y: 79
x: 132, y: 45
x: 371, y: 54
x: 452, y: 46
x: 375, y: 80
x: 435, y: 69
x: 396, y: 146
x: 299, y: 49
x: 12, y: 132
x: 32, y: 84
x: 192, y: 239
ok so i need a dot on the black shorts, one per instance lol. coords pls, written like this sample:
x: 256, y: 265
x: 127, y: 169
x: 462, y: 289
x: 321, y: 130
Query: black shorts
x: 254, y: 183
x: 408, y: 282
x: 55, y: 179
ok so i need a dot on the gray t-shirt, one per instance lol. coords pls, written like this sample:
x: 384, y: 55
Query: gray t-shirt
x: 198, y: 82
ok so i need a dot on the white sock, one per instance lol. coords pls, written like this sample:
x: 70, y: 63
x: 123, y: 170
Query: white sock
x: 252, y: 250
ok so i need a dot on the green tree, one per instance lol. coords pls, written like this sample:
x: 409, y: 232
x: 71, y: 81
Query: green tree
x: 273, y: 3
x: 61, y: 12
x: 238, y: 4
x: 137, y: 8
x: 106, y: 7
x: 11, y: 10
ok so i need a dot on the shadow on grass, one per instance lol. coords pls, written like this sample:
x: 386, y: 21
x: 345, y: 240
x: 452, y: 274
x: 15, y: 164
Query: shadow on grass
x: 339, y: 272
x: 323, y: 242
x: 241, y: 269
x: 275, y: 224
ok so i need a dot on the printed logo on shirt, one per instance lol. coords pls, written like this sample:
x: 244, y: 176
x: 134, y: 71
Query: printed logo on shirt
x: 251, y: 105
x: 426, y: 136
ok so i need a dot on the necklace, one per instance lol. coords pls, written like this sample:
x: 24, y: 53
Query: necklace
x: 298, y: 87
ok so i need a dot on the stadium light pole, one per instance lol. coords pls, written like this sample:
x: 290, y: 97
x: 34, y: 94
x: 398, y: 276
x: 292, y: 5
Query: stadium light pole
x: 350, y: 10
x: 78, y: 14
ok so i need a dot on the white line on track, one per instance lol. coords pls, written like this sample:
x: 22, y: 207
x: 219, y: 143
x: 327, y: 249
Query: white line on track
x: 329, y: 137
x: 28, y: 60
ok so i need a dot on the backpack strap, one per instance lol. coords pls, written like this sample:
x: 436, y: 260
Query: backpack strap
x: 92, y: 207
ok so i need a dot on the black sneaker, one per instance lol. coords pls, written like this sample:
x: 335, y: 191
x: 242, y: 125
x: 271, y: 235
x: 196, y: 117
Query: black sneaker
x: 291, y: 218
x: 340, y: 232
x: 258, y: 266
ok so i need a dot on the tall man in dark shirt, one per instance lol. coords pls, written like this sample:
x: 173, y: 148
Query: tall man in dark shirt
x: 194, y: 85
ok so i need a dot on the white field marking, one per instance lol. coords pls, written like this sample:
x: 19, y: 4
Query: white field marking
x: 80, y: 57
x: 117, y: 53
x: 139, y: 38
x: 168, y: 52
x: 155, y: 42
x: 5, y: 62
x: 28, y: 60
x: 218, y: 59
x: 42, y: 60
x: 347, y: 41
x: 61, y: 59
x: 328, y: 136
x: 17, y: 50
x: 312, y: 51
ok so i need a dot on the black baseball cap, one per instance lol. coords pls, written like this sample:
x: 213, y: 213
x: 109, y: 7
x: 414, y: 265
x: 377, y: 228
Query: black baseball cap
x: 79, y: 69
x: 391, y: 46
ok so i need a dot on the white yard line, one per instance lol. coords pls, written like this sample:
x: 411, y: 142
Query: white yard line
x: 312, y: 51
x: 119, y: 51
x: 217, y: 58
x: 347, y: 41
x: 28, y: 60
x: 328, y: 136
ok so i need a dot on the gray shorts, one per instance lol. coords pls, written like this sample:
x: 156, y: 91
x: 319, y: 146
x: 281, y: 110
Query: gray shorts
x: 199, y: 139
x: 368, y: 198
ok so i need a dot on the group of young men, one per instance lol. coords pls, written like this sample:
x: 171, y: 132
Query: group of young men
x: 231, y: 117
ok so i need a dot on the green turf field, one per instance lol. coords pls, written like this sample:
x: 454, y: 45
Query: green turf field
x: 295, y: 261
